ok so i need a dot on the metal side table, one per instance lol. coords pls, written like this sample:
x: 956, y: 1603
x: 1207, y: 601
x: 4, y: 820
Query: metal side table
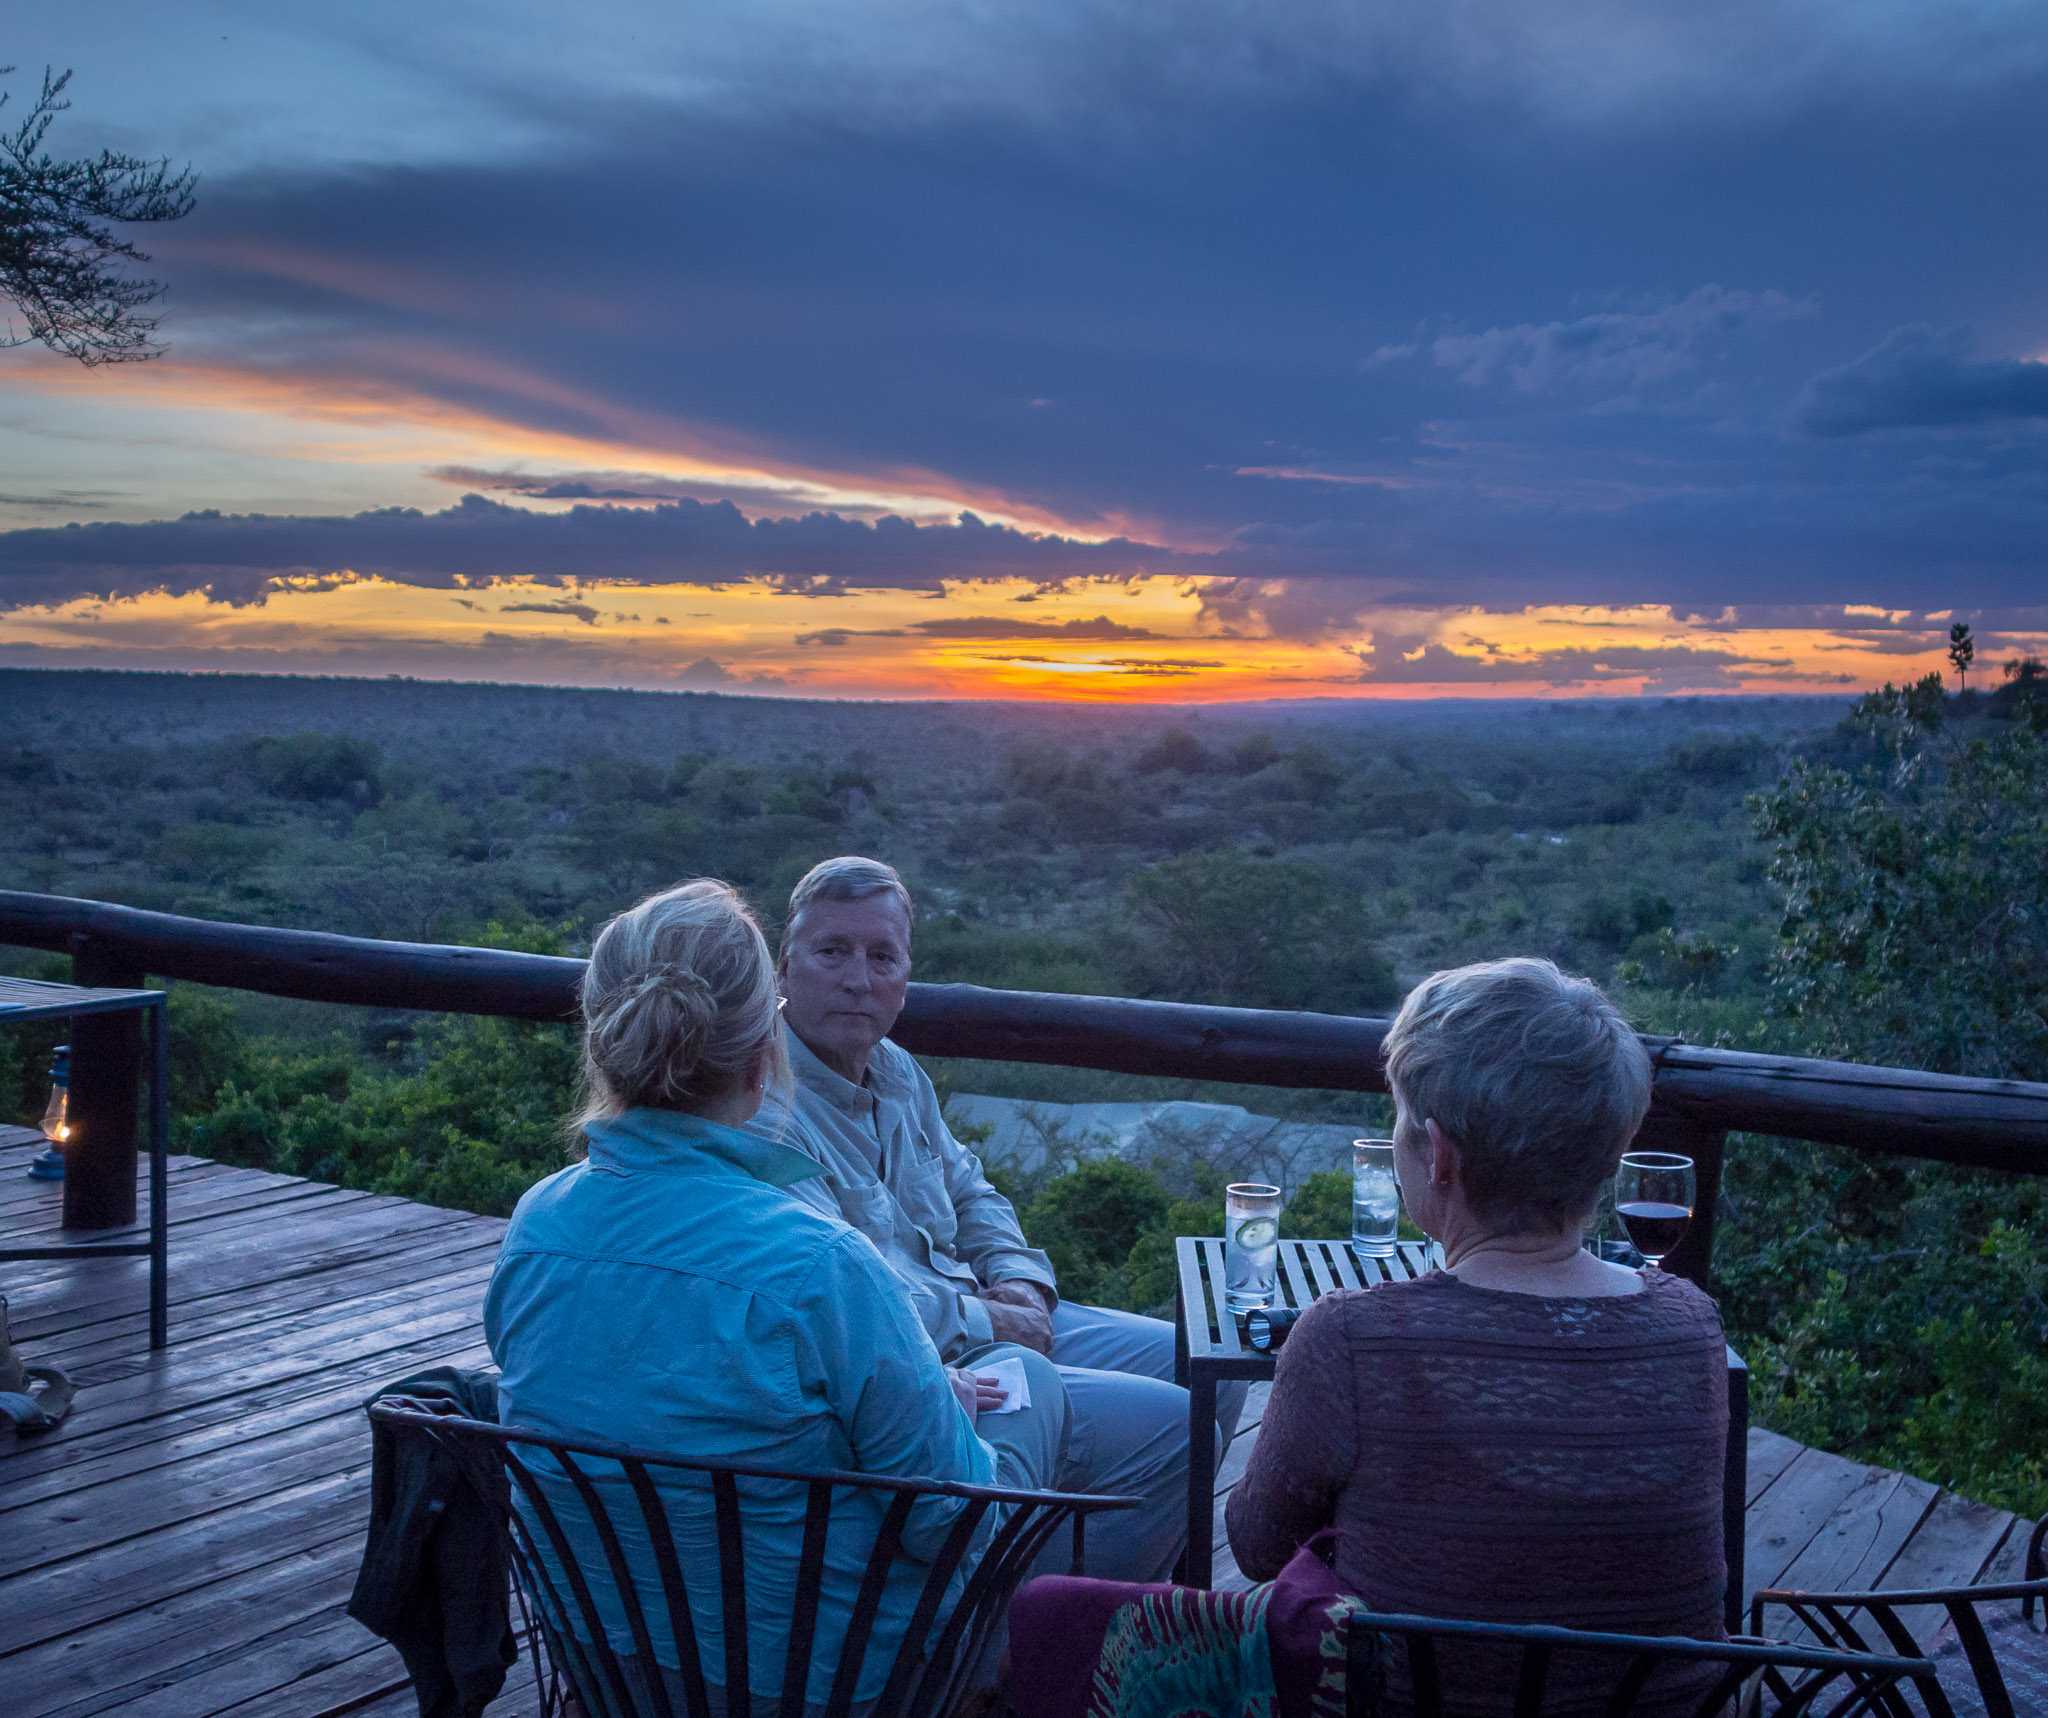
x: 23, y: 999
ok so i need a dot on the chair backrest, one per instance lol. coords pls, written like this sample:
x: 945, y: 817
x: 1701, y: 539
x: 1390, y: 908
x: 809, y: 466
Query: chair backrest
x: 1770, y: 1679
x: 1833, y: 1619
x: 939, y: 1648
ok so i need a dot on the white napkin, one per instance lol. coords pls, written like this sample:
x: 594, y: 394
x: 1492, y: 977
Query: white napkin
x: 1008, y: 1376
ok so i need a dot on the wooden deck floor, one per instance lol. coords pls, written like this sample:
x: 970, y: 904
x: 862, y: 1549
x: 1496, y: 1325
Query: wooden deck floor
x: 183, y: 1546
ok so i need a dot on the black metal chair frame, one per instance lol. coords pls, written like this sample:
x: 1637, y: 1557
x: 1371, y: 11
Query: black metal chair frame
x: 921, y: 1683
x: 1754, y: 1671
x: 1830, y: 1617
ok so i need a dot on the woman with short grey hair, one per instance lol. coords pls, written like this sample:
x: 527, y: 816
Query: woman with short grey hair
x: 1529, y: 1433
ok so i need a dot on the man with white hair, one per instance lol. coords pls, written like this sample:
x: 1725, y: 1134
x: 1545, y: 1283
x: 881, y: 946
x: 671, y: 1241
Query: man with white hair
x: 864, y: 1109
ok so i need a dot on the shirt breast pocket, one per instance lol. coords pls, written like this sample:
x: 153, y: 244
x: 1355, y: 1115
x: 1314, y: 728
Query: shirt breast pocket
x: 926, y: 1199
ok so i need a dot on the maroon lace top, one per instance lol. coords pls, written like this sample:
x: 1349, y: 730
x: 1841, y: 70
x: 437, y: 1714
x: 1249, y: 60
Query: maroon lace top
x: 1503, y: 1457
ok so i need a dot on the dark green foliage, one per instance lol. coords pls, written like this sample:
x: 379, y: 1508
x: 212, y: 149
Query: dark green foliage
x: 953, y: 950
x: 1320, y: 1208
x: 470, y: 1113
x: 1252, y: 933
x: 1916, y: 895
x: 2024, y: 695
x: 1176, y: 749
x: 1895, y: 1310
x: 1253, y: 753
x: 317, y: 767
x: 1089, y: 1220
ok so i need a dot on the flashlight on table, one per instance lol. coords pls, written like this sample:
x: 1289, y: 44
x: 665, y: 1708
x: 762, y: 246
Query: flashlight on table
x: 1266, y: 1327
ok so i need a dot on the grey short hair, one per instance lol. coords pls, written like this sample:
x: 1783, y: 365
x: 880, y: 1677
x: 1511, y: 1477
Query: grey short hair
x: 679, y: 1001
x: 847, y: 878
x: 1537, y: 1078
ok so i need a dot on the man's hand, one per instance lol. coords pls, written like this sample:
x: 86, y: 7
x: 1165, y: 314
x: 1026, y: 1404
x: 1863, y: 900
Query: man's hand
x: 1020, y: 1291
x: 975, y: 1394
x: 1017, y: 1313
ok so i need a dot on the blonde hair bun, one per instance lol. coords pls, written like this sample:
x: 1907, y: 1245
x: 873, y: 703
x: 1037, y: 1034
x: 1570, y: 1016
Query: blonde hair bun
x: 678, y: 1002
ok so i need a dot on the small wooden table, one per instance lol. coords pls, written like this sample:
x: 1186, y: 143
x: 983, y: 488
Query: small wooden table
x: 1210, y: 1348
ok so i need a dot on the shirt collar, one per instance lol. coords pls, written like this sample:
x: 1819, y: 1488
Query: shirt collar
x: 829, y: 1083
x: 669, y: 1142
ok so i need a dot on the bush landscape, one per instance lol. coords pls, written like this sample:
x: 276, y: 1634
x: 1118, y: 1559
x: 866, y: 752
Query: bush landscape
x: 1783, y: 874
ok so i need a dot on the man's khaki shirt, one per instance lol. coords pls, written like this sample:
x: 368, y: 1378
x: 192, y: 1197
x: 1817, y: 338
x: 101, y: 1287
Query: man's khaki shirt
x: 894, y: 1171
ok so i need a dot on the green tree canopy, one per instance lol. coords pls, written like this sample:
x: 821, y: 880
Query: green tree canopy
x: 1227, y: 928
x: 1916, y: 895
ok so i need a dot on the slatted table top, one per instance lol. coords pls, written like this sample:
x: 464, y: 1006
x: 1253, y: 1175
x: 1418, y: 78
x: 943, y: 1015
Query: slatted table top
x: 1308, y: 1270
x: 34, y: 999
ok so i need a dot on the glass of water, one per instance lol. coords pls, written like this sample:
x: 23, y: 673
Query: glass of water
x: 1375, y: 1199
x: 1251, y: 1244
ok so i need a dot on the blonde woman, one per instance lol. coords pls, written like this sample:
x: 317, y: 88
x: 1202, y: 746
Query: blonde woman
x: 668, y: 1293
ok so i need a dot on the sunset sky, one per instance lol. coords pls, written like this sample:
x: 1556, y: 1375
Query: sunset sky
x: 1114, y: 349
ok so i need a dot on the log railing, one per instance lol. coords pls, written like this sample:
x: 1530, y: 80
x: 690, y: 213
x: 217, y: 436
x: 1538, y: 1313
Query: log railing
x: 1700, y: 1094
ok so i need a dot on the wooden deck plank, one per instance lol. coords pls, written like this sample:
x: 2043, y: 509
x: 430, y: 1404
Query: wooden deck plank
x: 189, y: 1288
x: 1953, y: 1546
x: 349, y: 1383
x: 1863, y: 1536
x: 19, y: 1192
x: 169, y: 1641
x: 1789, y: 1514
x: 67, y: 1598
x: 131, y: 1371
x: 1769, y: 1455
x: 266, y: 1303
x: 312, y: 1668
x: 79, y: 1595
x: 198, y: 1195
x: 2009, y: 1561
x: 83, y: 1516
x: 76, y: 1468
x: 109, y: 1283
x: 271, y: 1298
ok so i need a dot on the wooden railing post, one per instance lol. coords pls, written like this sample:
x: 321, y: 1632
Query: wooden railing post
x: 1693, y: 1257
x: 106, y: 1075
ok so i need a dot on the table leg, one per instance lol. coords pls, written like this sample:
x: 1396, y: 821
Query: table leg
x: 159, y: 1173
x: 1201, y: 1477
x: 1735, y: 1490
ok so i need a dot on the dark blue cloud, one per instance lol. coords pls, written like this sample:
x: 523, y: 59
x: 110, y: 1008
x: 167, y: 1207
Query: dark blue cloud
x: 477, y: 543
x: 1917, y: 378
x: 1379, y: 330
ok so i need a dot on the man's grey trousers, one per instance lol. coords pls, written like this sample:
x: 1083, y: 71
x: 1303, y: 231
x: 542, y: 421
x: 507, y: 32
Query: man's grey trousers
x: 1129, y: 1435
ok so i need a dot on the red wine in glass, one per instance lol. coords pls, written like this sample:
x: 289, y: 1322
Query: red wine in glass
x: 1653, y: 1193
x: 1654, y: 1227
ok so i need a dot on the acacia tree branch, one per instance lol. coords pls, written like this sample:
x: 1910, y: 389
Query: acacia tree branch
x: 60, y: 263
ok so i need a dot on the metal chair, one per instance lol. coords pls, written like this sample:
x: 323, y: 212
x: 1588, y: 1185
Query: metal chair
x: 1832, y: 1619
x: 941, y: 1646
x: 1760, y: 1679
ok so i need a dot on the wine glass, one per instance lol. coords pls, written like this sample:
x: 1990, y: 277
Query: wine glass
x: 1653, y: 1195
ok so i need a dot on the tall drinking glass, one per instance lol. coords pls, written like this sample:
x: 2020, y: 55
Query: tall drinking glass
x: 1251, y: 1244
x: 1375, y: 1199
x: 1653, y: 1198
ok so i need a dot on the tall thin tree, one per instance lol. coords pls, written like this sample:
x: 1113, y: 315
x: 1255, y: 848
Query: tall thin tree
x: 1962, y: 651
